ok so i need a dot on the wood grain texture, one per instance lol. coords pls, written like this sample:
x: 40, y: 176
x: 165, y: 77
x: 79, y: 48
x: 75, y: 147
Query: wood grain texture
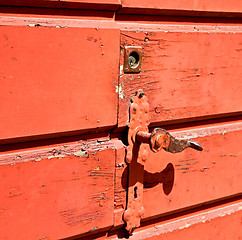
x: 221, y: 222
x: 223, y: 227
x: 185, y: 75
x: 192, y: 7
x: 67, y: 191
x: 173, y: 182
x: 55, y: 80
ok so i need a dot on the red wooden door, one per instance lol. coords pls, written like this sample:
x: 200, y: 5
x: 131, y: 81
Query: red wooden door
x: 65, y: 101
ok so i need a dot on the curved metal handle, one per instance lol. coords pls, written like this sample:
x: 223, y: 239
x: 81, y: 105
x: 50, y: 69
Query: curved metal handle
x: 161, y: 139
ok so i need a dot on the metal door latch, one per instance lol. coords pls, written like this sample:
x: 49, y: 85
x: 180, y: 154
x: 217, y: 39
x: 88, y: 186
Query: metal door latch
x: 137, y: 154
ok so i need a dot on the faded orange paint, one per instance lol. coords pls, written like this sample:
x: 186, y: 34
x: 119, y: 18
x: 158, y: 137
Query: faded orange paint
x: 66, y: 191
x: 185, y: 75
x: 220, y: 222
x: 182, y: 7
x: 62, y: 75
x: 49, y: 80
x: 173, y: 182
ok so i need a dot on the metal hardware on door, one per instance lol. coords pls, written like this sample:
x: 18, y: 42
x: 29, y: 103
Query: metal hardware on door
x: 132, y: 59
x: 160, y: 138
x: 137, y: 154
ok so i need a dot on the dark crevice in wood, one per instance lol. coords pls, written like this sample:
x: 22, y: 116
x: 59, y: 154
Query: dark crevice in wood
x: 170, y: 13
x: 184, y: 123
x: 114, y: 133
x: 59, y: 5
x: 121, y: 233
x: 198, y: 121
x: 51, y: 139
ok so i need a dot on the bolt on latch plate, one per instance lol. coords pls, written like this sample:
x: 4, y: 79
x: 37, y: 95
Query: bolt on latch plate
x: 137, y: 154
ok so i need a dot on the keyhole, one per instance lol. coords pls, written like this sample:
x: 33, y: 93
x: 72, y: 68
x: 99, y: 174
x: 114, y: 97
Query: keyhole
x: 133, y: 59
x: 135, y: 192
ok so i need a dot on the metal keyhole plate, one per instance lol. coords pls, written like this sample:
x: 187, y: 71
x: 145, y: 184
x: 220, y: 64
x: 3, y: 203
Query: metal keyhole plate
x: 132, y: 59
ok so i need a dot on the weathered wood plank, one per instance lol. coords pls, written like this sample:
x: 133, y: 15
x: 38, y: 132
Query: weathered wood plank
x: 177, y: 181
x: 37, y: 17
x: 186, y: 75
x: 221, y: 228
x: 222, y: 222
x: 57, y: 192
x: 181, y: 7
x: 54, y: 80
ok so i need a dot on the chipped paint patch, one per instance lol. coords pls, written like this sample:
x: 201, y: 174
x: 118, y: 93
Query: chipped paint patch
x: 56, y: 156
x: 121, y: 69
x: 31, y: 25
x: 38, y: 159
x: 81, y: 153
x: 120, y: 91
x: 80, y: 149
x: 34, y: 25
x: 185, y: 226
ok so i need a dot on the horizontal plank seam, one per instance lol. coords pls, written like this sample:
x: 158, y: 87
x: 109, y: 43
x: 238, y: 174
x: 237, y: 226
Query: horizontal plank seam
x: 187, y: 222
x: 92, y: 146
x: 119, y: 8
